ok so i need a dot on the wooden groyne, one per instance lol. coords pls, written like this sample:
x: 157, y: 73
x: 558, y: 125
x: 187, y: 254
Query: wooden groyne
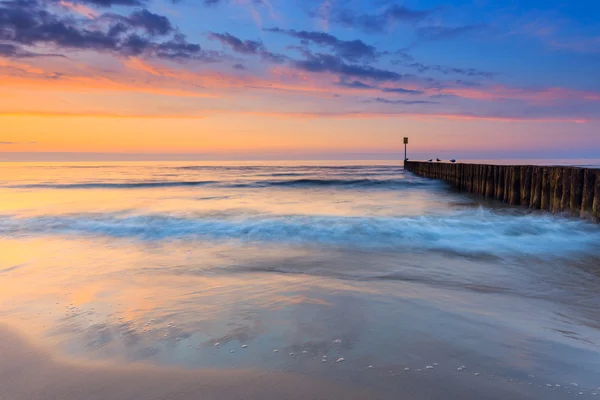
x: 558, y: 189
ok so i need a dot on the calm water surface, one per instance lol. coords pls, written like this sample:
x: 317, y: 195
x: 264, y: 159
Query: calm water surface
x: 158, y: 262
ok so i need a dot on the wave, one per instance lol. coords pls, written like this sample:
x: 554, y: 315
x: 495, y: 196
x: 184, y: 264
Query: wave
x: 308, y: 182
x: 289, y: 167
x: 305, y: 182
x: 469, y: 232
x: 113, y: 185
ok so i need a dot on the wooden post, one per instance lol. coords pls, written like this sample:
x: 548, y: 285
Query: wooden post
x: 490, y: 184
x: 500, y: 182
x: 596, y: 207
x: 587, y: 198
x: 525, y: 187
x: 546, y: 188
x: 515, y: 185
x: 557, y: 189
x: 577, y: 176
x: 565, y: 201
x: 536, y: 188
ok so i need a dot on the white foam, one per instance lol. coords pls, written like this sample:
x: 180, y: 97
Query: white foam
x: 472, y: 231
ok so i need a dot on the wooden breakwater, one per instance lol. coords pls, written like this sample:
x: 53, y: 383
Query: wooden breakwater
x: 558, y: 189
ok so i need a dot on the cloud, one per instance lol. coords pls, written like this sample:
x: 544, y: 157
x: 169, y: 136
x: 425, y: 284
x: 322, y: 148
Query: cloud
x: 218, y: 2
x: 12, y: 51
x: 248, y: 47
x: 355, y: 85
x: 406, y: 102
x: 239, y: 67
x: 79, y: 9
x: 352, y: 50
x: 462, y: 82
x: 31, y: 23
x: 379, y: 22
x: 154, y: 24
x: 236, y: 44
x: 333, y: 64
x: 110, y: 3
x: 473, y: 72
x: 401, y: 91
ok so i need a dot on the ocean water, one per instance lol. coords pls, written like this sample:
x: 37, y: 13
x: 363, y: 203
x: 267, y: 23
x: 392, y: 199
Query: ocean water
x: 360, y: 261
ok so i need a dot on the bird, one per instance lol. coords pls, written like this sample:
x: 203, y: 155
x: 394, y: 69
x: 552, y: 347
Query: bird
x: 453, y: 160
x: 438, y: 160
x: 430, y: 160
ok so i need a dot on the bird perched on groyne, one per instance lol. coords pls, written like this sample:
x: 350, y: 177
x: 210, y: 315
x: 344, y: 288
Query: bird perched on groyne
x: 453, y: 160
x: 430, y: 160
x: 438, y: 160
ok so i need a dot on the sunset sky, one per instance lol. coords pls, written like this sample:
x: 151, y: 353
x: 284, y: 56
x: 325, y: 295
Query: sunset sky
x: 251, y: 79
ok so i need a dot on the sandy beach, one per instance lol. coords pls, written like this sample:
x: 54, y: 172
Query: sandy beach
x: 27, y: 372
x: 287, y: 281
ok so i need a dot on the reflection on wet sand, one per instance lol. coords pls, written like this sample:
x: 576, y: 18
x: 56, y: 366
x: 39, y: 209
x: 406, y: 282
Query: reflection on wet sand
x: 28, y: 373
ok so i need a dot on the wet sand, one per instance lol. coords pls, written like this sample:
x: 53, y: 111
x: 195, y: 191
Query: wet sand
x: 28, y: 372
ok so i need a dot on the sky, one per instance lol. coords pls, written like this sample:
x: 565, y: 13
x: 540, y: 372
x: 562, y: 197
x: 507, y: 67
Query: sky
x: 299, y: 79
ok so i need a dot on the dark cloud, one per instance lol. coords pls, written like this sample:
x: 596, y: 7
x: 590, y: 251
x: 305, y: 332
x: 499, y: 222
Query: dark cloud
x: 445, y: 32
x: 401, y: 91
x: 444, y: 96
x: 239, y: 66
x: 154, y: 24
x: 249, y: 47
x: 238, y: 45
x: 217, y: 2
x: 381, y: 21
x: 352, y: 50
x: 462, y: 82
x: 335, y: 65
x: 273, y: 57
x: 31, y: 23
x: 420, y: 67
x: 179, y: 48
x: 406, y: 102
x: 110, y: 3
x: 355, y: 85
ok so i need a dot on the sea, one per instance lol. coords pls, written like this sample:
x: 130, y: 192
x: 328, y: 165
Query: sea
x: 344, y: 271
